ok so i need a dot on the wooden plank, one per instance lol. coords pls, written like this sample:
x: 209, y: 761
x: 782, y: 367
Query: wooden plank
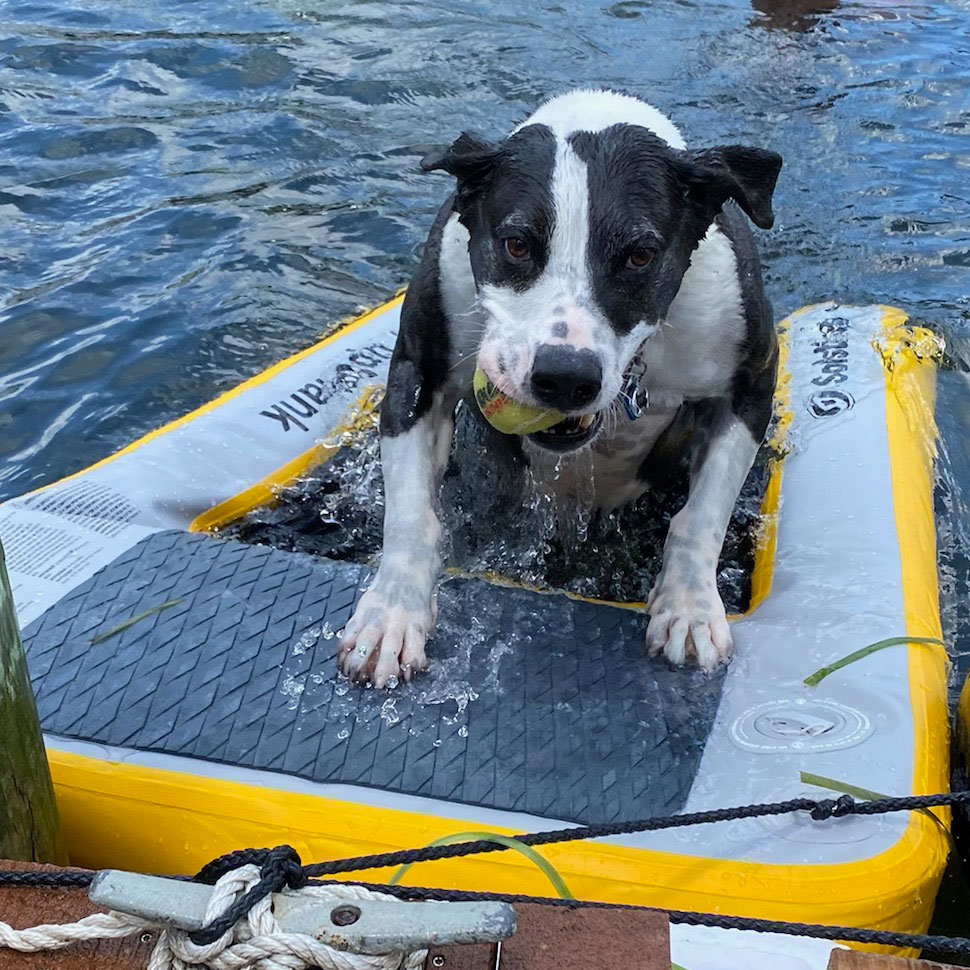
x: 547, y: 937
x: 856, y: 960
x: 22, y: 907
x: 564, y: 938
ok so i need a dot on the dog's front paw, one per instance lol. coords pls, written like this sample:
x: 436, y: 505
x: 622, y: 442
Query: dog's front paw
x: 687, y: 624
x: 385, y: 637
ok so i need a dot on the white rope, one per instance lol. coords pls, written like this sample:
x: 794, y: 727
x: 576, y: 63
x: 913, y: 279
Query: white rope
x: 254, y: 942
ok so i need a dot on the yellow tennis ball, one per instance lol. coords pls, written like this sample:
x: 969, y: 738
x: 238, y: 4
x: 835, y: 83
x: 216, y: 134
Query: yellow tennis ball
x: 507, y: 415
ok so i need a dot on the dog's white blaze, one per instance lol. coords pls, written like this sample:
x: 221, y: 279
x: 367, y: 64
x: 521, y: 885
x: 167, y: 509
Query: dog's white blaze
x: 567, y: 265
x: 588, y: 110
x: 522, y: 321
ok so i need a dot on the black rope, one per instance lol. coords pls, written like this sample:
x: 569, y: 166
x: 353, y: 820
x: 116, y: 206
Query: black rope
x: 819, y: 809
x: 851, y: 934
x: 45, y: 878
x: 281, y: 867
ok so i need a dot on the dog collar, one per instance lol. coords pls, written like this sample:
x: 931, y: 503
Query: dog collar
x: 634, y: 398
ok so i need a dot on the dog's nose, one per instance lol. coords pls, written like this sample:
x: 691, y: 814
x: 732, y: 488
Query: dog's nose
x: 564, y: 378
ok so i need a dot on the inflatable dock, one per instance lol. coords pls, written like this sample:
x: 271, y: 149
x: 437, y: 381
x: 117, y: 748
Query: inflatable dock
x: 187, y: 682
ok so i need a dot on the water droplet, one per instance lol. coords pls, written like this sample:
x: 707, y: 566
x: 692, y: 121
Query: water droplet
x: 292, y: 688
x: 389, y: 713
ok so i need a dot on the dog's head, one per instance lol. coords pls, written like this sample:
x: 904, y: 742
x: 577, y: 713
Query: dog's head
x: 578, y: 245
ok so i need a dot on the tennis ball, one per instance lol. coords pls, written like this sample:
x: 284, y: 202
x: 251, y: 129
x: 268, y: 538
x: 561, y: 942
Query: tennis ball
x: 509, y: 416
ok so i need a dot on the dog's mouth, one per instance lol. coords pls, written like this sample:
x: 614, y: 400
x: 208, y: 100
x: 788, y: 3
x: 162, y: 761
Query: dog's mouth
x: 569, y: 434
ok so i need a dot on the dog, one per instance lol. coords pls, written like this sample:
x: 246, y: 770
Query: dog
x: 591, y: 264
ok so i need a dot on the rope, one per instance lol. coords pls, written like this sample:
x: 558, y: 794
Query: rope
x: 256, y: 941
x: 53, y: 936
x: 819, y: 809
x: 273, y: 870
x: 822, y: 931
x: 279, y: 867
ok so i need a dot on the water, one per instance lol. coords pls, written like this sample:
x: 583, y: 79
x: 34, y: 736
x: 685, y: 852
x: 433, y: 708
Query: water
x: 498, y: 521
x: 192, y: 190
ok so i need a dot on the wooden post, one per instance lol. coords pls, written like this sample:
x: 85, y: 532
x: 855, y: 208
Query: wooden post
x: 28, y: 814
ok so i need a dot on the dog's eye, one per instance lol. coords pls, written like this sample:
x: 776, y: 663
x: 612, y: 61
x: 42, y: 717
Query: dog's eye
x: 638, y: 258
x: 516, y: 247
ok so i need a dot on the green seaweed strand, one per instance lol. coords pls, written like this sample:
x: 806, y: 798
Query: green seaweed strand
x: 132, y: 620
x: 544, y: 864
x: 815, y: 679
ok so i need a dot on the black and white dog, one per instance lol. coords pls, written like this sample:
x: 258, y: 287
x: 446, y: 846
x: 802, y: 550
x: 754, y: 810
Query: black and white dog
x: 591, y: 264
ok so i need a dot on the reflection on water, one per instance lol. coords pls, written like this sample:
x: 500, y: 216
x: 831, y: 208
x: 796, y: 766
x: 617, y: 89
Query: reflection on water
x: 791, y: 14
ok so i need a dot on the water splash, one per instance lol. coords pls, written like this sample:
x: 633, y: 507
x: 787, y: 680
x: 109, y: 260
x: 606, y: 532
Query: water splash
x: 448, y: 680
x: 306, y: 641
x: 501, y: 520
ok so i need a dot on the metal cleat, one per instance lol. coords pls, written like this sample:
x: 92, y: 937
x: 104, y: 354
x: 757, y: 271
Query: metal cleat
x: 356, y: 926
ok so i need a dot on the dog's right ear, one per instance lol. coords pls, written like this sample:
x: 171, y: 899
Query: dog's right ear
x: 747, y: 175
x: 468, y: 158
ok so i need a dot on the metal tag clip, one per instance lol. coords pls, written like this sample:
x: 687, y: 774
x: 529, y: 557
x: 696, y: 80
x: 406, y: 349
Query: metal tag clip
x: 356, y: 926
x: 635, y: 399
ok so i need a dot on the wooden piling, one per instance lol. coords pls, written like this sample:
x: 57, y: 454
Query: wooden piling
x: 29, y: 827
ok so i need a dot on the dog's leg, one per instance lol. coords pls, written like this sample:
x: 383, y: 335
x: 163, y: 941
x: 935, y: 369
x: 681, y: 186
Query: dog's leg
x: 386, y: 635
x: 686, y: 612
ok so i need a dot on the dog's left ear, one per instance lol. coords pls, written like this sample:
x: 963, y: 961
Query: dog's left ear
x: 747, y: 175
x: 468, y: 157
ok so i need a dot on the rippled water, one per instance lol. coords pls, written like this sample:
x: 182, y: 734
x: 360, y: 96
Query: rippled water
x: 189, y: 191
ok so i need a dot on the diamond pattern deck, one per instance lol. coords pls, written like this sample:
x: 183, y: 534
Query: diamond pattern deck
x: 534, y: 703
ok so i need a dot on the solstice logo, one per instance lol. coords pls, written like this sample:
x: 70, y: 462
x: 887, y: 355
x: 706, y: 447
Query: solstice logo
x: 828, y: 403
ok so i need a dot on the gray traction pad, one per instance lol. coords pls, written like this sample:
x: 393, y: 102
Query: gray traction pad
x: 534, y: 703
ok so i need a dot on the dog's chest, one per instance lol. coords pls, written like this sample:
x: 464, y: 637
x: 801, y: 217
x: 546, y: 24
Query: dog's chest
x: 695, y: 352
